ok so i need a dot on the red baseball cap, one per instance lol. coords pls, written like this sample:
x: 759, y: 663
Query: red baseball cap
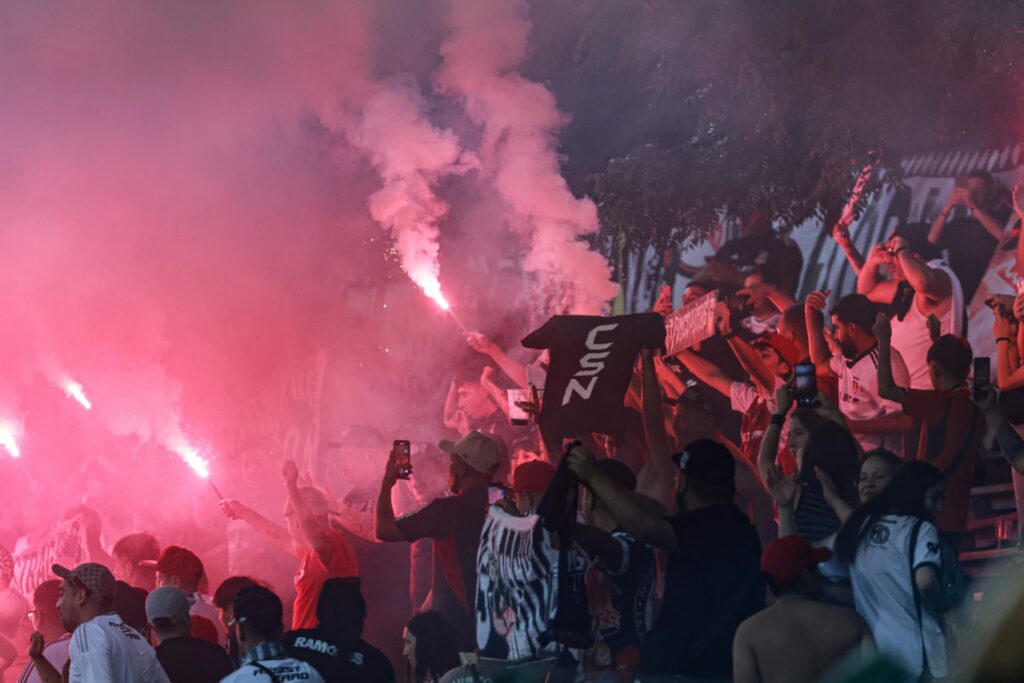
x: 533, y: 476
x: 787, y: 350
x: 786, y: 559
x: 179, y: 562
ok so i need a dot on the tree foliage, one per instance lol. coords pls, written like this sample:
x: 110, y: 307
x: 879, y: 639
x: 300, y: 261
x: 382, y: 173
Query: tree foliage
x: 788, y: 98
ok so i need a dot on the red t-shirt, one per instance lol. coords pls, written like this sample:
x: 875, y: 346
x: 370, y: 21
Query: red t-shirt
x: 309, y: 580
x: 951, y: 433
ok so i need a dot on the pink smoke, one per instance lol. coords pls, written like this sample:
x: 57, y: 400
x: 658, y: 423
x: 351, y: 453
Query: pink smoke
x: 520, y: 119
x: 411, y: 155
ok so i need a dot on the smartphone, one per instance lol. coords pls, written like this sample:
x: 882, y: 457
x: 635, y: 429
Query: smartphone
x: 403, y: 465
x: 982, y: 375
x: 805, y: 388
x: 495, y: 492
x: 516, y: 398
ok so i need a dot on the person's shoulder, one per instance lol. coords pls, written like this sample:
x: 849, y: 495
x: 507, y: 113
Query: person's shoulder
x: 373, y: 658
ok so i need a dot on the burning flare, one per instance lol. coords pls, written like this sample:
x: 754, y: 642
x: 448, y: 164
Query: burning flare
x: 190, y: 455
x: 74, y: 390
x: 8, y: 441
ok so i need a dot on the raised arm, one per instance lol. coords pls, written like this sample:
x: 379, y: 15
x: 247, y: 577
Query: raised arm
x: 1010, y: 442
x: 515, y: 370
x: 769, y: 449
x: 939, y: 226
x: 274, y: 533
x: 1009, y: 373
x: 932, y: 282
x: 637, y: 514
x: 706, y: 372
x: 314, y: 532
x: 887, y: 388
x: 384, y: 525
x: 657, y: 476
x: 868, y: 281
x: 814, y: 313
x: 43, y: 669
x: 497, y: 395
x: 841, y: 234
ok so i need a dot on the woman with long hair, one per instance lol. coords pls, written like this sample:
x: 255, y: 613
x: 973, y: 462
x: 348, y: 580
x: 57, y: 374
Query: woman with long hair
x: 890, y: 551
x: 429, y: 644
x: 825, y: 452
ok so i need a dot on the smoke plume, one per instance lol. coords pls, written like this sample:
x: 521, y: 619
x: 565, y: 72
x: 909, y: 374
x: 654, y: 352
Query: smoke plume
x: 520, y: 119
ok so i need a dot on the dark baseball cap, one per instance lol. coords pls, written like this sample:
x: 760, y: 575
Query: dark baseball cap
x: 708, y: 462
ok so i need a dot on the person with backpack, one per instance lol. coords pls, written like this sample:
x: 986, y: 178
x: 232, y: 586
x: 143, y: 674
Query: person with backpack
x: 951, y: 426
x: 889, y: 549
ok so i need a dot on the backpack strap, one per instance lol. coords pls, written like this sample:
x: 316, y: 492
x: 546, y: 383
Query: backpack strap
x: 917, y: 595
x: 273, y: 677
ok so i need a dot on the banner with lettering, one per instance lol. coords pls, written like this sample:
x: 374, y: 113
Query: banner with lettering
x: 64, y: 545
x: 591, y: 366
x: 691, y: 324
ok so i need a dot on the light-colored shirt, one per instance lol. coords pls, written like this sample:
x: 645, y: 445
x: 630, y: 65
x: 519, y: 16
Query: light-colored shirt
x: 911, y: 337
x: 202, y: 606
x: 55, y: 652
x: 858, y: 394
x: 883, y: 592
x: 272, y: 657
x: 106, y: 650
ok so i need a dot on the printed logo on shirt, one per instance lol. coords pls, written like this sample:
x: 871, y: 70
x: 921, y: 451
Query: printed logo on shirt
x: 127, y: 631
x: 880, y: 534
x: 316, y: 645
x: 356, y: 658
x: 287, y: 672
x: 933, y: 548
x: 591, y: 365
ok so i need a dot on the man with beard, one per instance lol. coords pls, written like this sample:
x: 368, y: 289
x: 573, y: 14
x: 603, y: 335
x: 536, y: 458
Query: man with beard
x: 713, y: 581
x: 874, y: 422
x: 103, y: 647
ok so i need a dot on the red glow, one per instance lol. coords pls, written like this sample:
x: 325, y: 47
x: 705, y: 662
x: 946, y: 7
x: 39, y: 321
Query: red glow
x: 191, y: 457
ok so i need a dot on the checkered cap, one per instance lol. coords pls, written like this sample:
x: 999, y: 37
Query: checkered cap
x: 94, y: 578
x: 6, y: 563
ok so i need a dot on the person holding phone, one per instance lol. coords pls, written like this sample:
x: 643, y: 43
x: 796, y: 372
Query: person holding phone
x: 453, y: 523
x: 952, y: 427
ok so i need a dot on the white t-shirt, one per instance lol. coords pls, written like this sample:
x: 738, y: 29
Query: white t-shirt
x: 286, y: 669
x: 884, y: 595
x: 106, y: 650
x: 858, y: 394
x: 911, y: 337
x: 55, y: 652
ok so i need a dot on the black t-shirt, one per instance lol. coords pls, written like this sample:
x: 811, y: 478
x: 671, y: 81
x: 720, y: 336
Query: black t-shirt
x: 779, y: 257
x: 591, y: 366
x: 971, y: 247
x: 621, y: 602
x: 711, y: 586
x: 454, y: 524
x: 360, y: 664
x: 191, y: 660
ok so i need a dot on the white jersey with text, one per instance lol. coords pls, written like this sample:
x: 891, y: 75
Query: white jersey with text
x: 106, y: 650
x: 858, y: 394
x: 284, y: 670
x: 883, y: 592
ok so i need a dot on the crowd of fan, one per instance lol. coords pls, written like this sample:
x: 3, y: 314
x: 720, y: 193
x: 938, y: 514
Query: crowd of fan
x: 651, y: 555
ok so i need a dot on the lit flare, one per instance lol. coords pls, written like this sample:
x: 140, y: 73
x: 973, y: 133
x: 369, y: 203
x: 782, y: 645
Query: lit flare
x: 8, y: 441
x: 74, y: 390
x: 193, y: 459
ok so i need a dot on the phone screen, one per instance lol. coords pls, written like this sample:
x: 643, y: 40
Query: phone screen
x: 495, y: 492
x: 403, y: 464
x: 516, y: 414
x: 805, y: 388
x: 982, y: 375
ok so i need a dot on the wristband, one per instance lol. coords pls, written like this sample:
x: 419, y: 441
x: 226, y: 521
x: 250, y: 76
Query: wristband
x: 778, y: 420
x: 897, y: 251
x: 1005, y: 339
